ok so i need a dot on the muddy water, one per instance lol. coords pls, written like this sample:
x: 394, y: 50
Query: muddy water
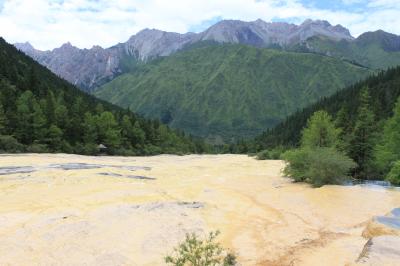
x: 74, y: 210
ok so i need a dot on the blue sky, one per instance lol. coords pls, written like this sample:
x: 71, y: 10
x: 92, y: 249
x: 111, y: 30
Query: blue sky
x: 84, y: 23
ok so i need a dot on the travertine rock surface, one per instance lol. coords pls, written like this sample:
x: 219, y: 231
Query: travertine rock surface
x: 78, y: 210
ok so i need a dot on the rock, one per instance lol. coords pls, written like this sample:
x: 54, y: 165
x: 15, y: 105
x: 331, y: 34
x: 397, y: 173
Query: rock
x: 111, y: 174
x: 75, y: 166
x: 381, y: 250
x: 80, y: 166
x: 140, y: 177
x: 16, y: 170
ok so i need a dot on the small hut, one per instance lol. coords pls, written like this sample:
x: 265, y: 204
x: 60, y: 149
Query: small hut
x: 102, y: 148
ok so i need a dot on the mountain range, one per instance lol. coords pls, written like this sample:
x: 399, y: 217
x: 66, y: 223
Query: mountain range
x: 231, y: 81
x: 229, y: 91
x: 89, y: 68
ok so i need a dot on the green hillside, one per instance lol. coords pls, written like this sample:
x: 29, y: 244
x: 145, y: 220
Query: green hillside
x: 376, y: 50
x: 383, y: 88
x: 229, y: 91
x: 39, y: 112
x: 367, y: 116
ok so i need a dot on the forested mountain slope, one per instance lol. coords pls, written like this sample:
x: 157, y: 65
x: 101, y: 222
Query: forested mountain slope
x: 376, y: 50
x: 39, y: 112
x: 229, y: 91
x: 383, y: 90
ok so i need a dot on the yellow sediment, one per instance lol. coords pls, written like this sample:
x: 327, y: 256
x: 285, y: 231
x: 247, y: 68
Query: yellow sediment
x: 75, y: 217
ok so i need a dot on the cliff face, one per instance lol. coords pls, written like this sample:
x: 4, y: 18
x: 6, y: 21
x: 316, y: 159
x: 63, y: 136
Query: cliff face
x: 89, y: 68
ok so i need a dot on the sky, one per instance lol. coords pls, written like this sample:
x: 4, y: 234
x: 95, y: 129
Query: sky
x: 47, y: 24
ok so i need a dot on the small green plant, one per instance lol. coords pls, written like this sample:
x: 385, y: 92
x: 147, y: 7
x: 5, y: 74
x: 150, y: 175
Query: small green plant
x: 197, y: 252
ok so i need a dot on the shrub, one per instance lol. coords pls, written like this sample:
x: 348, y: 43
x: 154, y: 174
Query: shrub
x: 297, y: 163
x: 125, y: 152
x: 90, y: 149
x: 37, y: 148
x: 274, y: 154
x: 319, y: 166
x: 394, y: 175
x: 10, y: 144
x: 196, y: 252
x: 152, y: 150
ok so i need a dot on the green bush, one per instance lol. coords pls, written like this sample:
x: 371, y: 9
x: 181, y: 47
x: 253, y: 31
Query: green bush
x: 297, y: 163
x: 37, y: 148
x: 125, y: 152
x: 394, y: 175
x: 196, y: 252
x: 274, y: 154
x: 10, y: 144
x: 319, y: 166
x: 90, y: 149
x: 152, y: 150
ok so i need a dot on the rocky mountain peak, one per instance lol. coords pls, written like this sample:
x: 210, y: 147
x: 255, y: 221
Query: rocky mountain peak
x: 88, y: 68
x: 26, y: 46
x: 67, y: 46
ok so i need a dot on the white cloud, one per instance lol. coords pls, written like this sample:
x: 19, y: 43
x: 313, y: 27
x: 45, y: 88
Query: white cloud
x: 49, y: 23
x: 384, y: 3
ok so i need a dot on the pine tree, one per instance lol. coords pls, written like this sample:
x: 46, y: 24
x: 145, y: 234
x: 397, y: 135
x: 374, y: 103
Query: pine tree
x: 388, y: 149
x: 362, y: 138
x: 139, y: 136
x: 75, y: 131
x: 55, y: 138
x: 50, y: 108
x: 90, y: 129
x: 343, y: 122
x: 320, y: 132
x: 24, y: 130
x: 109, y: 133
x: 61, y: 116
x: 127, y: 131
x: 3, y: 120
x: 38, y: 123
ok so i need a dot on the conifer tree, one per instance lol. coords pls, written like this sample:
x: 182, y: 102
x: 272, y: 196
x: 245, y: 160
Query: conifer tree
x: 320, y: 132
x: 388, y: 149
x: 127, y: 131
x: 109, y: 132
x: 24, y: 114
x: 3, y: 120
x: 362, y: 138
x: 139, y: 136
x: 55, y: 138
x: 89, y: 129
x: 50, y: 108
x: 38, y: 123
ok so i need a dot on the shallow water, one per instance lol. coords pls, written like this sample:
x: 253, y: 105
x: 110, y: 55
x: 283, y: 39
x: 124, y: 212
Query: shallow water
x: 95, y: 216
x: 370, y: 183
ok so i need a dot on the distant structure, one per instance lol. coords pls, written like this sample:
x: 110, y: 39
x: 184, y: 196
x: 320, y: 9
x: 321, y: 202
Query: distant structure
x: 102, y: 148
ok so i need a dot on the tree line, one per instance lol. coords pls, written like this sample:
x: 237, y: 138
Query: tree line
x: 366, y: 119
